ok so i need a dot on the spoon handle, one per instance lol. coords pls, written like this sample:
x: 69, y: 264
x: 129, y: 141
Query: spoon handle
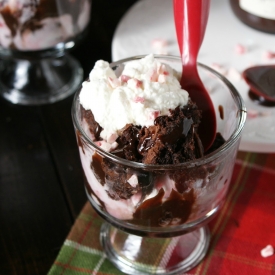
x: 190, y: 19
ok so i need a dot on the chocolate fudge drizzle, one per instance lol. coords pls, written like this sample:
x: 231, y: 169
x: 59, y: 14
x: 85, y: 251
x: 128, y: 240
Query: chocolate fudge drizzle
x: 156, y: 212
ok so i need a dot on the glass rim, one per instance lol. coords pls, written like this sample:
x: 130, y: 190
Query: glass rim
x: 241, y: 117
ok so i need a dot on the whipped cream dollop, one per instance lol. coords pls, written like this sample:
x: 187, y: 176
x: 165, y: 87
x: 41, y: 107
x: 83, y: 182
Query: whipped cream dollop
x: 143, y: 90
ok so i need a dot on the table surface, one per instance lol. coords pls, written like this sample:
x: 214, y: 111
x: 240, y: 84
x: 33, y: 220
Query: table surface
x: 41, y: 183
x: 41, y: 186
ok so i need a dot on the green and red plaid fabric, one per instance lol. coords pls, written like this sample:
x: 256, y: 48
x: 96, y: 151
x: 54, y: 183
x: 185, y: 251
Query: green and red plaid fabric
x: 244, y: 226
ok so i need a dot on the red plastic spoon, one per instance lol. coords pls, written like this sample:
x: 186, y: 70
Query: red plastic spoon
x: 190, y: 20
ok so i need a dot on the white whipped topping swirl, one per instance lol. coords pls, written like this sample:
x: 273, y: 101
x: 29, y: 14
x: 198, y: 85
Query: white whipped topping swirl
x: 144, y: 90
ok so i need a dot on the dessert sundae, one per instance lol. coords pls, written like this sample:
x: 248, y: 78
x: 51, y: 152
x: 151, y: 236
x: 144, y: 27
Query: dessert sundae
x: 143, y: 127
x: 40, y: 24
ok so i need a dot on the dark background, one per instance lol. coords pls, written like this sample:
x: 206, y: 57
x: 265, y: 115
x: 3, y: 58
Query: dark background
x: 41, y: 184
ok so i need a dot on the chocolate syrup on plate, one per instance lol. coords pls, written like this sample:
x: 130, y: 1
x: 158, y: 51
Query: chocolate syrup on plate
x: 261, y: 80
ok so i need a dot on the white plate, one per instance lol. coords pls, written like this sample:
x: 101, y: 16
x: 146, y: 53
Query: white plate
x: 149, y: 20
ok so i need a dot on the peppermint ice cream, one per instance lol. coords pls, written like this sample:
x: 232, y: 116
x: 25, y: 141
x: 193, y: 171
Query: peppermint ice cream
x: 140, y: 113
x: 40, y: 24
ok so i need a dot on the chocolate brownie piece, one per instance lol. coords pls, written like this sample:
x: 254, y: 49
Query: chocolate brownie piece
x: 172, y: 139
x: 94, y: 127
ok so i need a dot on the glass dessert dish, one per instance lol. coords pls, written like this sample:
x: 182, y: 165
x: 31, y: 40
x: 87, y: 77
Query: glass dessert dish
x: 35, y: 36
x: 156, y: 220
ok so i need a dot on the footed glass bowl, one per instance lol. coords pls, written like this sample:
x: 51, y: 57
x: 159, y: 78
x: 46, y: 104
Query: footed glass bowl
x: 35, y: 36
x: 157, y: 223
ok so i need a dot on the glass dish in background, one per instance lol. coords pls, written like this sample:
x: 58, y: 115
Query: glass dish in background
x: 34, y: 38
x: 193, y: 203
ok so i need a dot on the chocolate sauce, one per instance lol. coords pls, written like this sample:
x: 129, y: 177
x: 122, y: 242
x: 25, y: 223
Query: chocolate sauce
x: 96, y: 166
x: 185, y: 178
x: 252, y: 20
x: 221, y: 111
x: 261, y: 80
x: 173, y: 211
x: 79, y: 141
x: 218, y: 142
x: 187, y: 125
x: 145, y: 145
x: 115, y: 176
x: 9, y: 19
x: 260, y: 100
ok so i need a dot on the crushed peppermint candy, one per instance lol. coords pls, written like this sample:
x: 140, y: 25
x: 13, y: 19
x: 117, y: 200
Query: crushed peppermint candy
x: 268, y: 55
x: 133, y: 180
x: 219, y: 68
x: 139, y: 99
x: 252, y: 113
x: 159, y: 46
x: 233, y: 74
x: 267, y: 251
x: 240, y: 49
x: 153, y: 115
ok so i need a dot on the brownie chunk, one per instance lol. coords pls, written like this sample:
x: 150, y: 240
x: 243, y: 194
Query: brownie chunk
x: 94, y: 127
x: 172, y: 139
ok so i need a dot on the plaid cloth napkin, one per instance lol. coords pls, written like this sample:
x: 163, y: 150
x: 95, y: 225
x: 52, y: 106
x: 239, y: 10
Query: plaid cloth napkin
x: 244, y: 226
